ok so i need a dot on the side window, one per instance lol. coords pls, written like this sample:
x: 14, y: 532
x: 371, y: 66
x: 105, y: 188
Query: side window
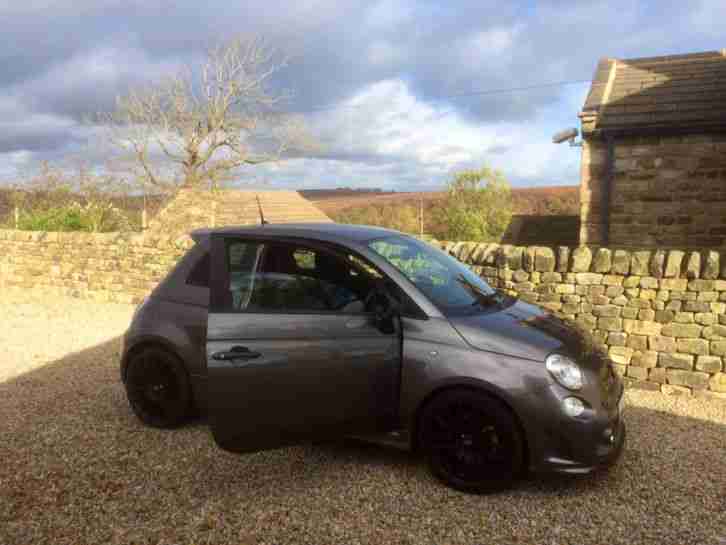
x: 293, y: 278
x: 242, y: 261
x: 200, y: 273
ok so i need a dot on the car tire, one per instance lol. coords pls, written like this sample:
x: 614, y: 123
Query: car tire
x: 472, y: 441
x: 158, y: 388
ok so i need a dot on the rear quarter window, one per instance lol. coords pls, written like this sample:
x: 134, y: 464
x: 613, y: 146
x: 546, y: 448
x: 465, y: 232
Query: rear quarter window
x: 199, y: 276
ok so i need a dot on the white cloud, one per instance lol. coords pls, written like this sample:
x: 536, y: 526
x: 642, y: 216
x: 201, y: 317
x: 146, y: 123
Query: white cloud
x: 386, y: 136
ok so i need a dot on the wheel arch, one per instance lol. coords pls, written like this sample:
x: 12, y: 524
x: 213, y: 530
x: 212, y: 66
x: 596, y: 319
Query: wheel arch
x: 149, y: 341
x: 475, y: 385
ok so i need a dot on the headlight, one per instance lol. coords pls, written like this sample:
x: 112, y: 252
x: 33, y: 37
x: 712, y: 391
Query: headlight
x: 565, y: 371
x: 573, y: 407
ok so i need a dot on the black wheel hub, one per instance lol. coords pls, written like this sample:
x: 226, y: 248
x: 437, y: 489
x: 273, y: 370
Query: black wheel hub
x: 468, y: 444
x: 153, y: 387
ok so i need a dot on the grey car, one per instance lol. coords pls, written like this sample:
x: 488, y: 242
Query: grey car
x: 283, y: 334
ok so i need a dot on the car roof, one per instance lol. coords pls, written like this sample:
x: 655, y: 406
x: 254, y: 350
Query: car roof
x: 320, y: 231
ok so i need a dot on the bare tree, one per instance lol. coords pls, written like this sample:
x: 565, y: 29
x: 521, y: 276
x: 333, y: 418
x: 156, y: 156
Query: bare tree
x: 206, y: 123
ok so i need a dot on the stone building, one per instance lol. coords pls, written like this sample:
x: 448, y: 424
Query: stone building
x: 654, y: 153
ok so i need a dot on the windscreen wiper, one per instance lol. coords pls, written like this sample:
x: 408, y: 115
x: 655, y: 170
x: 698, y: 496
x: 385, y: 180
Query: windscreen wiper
x: 482, y: 298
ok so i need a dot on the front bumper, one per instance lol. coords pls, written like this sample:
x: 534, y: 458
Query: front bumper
x: 570, y: 445
x: 607, y: 456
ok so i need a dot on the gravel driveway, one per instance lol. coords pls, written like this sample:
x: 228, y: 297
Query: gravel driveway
x: 77, y: 467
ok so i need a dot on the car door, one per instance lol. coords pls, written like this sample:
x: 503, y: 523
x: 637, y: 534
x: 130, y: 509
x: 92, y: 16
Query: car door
x: 285, y: 362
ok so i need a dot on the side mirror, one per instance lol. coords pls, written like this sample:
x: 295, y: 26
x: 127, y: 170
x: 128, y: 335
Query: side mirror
x: 384, y: 308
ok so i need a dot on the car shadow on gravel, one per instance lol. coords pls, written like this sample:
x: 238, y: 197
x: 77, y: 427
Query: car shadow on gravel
x: 71, y: 448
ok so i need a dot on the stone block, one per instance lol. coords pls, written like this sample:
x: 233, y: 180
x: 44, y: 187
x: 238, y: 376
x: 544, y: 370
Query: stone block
x: 673, y: 264
x: 664, y: 316
x: 675, y: 306
x: 696, y: 306
x: 707, y: 296
x: 673, y: 284
x: 602, y: 262
x: 621, y: 262
x: 715, y: 332
x: 685, y: 317
x: 587, y: 279
x: 581, y: 259
x: 657, y: 264
x: 639, y: 327
x: 717, y: 383
x: 657, y: 374
x: 620, y: 354
x: 614, y: 291
x: 550, y: 277
x: 693, y: 266
x: 646, y: 314
x: 610, y: 324
x: 675, y: 361
x: 682, y: 330
x: 693, y: 346
x: 637, y: 342
x: 644, y: 358
x: 692, y: 379
x: 606, y: 311
x: 631, y: 281
x: 629, y: 312
x: 544, y: 259
x: 612, y: 280
x: 563, y: 259
x: 718, y: 348
x: 662, y: 344
x: 649, y: 282
x: 710, y: 265
x: 640, y: 263
x: 701, y: 285
x: 707, y: 319
x: 567, y: 289
x: 709, y: 364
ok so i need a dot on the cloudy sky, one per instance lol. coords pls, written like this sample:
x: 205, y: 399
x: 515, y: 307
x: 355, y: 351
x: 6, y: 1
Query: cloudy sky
x: 401, y: 92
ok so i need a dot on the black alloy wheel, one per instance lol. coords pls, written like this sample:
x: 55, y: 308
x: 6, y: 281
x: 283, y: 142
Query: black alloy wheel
x: 472, y: 441
x: 158, y: 390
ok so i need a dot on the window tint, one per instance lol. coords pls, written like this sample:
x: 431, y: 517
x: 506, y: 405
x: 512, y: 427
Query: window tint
x: 200, y: 273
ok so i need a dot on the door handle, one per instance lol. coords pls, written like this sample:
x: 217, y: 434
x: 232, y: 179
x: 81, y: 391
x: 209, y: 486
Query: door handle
x: 236, y: 353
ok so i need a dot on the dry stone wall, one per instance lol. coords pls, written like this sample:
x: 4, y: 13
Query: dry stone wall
x: 110, y: 267
x: 660, y: 314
